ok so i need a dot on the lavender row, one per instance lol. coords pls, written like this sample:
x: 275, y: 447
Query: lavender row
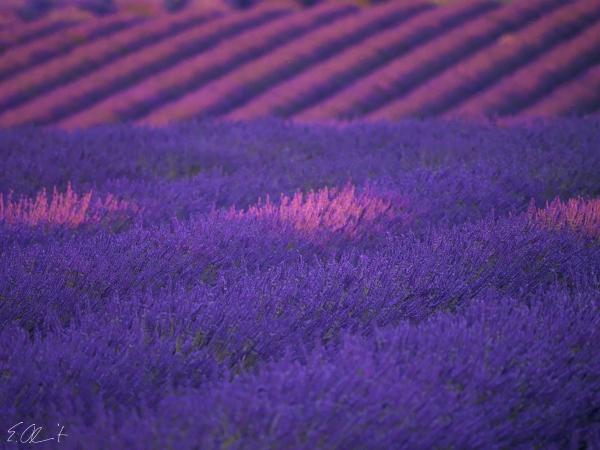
x: 75, y: 96
x: 315, y: 83
x: 24, y: 56
x: 404, y: 73
x: 21, y: 33
x: 581, y: 93
x: 457, y: 83
x: 532, y: 81
x: 187, y: 167
x: 405, y: 279
x: 174, y: 82
x: 85, y: 58
x: 326, y: 224
x: 188, y: 318
x: 502, y: 376
x: 246, y: 81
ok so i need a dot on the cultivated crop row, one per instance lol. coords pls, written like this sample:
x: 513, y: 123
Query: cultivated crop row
x: 220, y: 285
x: 125, y: 71
x: 88, y: 57
x: 23, y: 56
x: 581, y: 94
x: 21, y: 33
x: 317, y: 83
x: 205, y: 66
x: 489, y: 65
x: 533, y: 80
x: 248, y: 80
x: 332, y: 61
x: 403, y: 74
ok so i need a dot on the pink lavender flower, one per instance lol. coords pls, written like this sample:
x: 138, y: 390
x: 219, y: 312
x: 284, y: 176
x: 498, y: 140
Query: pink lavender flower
x: 577, y: 215
x: 341, y: 211
x: 66, y: 209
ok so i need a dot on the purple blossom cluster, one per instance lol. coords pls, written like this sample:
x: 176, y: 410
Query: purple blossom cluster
x: 405, y: 291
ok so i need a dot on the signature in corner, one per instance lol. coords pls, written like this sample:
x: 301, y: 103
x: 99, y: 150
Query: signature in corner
x: 30, y: 434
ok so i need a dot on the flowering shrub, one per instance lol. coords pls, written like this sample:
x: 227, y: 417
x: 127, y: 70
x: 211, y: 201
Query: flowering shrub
x: 426, y: 303
x: 63, y: 210
x: 575, y: 215
x: 333, y: 211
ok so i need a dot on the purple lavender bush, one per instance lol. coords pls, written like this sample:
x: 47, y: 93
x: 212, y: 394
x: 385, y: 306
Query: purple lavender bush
x: 416, y: 285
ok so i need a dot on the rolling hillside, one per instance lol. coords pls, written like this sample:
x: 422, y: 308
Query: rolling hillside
x: 335, y: 60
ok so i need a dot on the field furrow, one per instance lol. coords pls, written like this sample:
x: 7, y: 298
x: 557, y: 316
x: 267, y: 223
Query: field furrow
x: 329, y: 60
x: 579, y: 96
x: 23, y: 56
x: 300, y: 224
x: 403, y: 74
x: 179, y: 79
x: 88, y: 57
x: 238, y: 86
x: 22, y: 33
x: 327, y: 77
x: 507, y: 54
x: 534, y: 80
x: 76, y: 96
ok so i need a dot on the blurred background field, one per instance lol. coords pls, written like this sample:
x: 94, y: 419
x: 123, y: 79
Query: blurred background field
x: 81, y: 63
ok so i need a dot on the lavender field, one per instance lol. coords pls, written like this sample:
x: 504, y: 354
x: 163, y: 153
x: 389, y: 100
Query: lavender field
x: 298, y: 224
x: 303, y: 60
x: 422, y: 284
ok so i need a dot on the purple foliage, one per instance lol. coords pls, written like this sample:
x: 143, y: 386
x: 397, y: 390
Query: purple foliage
x: 163, y: 300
